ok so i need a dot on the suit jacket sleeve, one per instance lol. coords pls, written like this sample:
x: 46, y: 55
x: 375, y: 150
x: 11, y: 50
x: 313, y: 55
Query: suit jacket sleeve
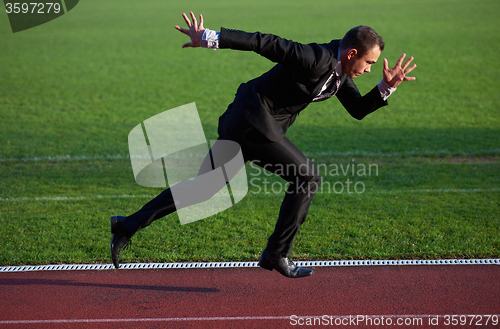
x: 359, y: 106
x: 279, y: 50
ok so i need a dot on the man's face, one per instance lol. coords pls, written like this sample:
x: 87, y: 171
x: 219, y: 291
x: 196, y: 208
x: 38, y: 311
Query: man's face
x: 354, y: 65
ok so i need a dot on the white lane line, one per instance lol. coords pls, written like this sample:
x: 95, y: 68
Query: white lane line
x: 66, y: 158
x: 439, y: 190
x: 387, y: 319
x: 146, y: 320
x: 132, y: 196
x: 76, y: 198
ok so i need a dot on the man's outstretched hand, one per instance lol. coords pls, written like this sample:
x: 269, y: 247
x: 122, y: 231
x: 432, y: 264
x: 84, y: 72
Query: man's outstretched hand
x: 398, y: 74
x: 195, y: 31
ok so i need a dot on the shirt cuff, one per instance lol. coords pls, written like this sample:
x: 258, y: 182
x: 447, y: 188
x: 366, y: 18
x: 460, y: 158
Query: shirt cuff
x: 210, y: 39
x: 385, y: 89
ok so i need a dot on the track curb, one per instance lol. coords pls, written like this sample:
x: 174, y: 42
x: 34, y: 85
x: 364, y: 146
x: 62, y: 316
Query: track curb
x: 204, y: 265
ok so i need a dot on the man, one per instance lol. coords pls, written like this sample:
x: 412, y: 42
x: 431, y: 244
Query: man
x: 265, y: 107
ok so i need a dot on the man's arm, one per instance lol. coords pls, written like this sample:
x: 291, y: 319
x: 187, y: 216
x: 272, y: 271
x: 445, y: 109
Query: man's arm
x: 359, y: 106
x: 273, y: 47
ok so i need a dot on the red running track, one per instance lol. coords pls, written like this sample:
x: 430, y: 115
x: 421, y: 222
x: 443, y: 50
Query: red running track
x: 253, y: 298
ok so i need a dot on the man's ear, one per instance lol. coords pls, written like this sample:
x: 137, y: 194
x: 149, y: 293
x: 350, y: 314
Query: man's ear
x: 352, y: 53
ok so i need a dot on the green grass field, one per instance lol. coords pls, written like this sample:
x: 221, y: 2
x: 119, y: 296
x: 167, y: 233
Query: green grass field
x: 72, y: 89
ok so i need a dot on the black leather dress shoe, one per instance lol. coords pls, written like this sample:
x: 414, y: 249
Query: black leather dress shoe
x: 119, y: 240
x: 283, y: 265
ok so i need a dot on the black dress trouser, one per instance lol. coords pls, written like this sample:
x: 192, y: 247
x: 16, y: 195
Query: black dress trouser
x: 282, y: 158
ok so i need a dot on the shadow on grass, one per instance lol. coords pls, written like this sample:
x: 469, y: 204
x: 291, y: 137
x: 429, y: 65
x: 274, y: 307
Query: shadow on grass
x: 396, y: 141
x: 311, y: 139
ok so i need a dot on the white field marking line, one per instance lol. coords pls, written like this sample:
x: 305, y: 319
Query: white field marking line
x: 308, y: 154
x: 440, y: 190
x: 353, y: 318
x: 77, y: 198
x: 67, y: 158
x: 451, y: 190
x: 132, y: 196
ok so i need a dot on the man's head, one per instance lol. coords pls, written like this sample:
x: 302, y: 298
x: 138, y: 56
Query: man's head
x: 359, y: 49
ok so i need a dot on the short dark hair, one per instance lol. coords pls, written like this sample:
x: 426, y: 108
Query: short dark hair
x: 362, y: 38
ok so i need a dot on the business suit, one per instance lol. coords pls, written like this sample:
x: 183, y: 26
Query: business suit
x: 269, y: 104
x: 259, y: 117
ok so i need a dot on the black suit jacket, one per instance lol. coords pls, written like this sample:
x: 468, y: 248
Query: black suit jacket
x: 271, y: 102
